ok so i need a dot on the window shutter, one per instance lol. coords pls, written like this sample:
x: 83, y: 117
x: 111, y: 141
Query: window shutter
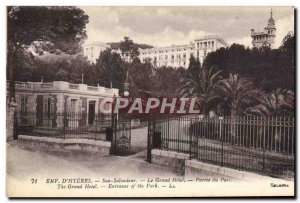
x: 45, y: 105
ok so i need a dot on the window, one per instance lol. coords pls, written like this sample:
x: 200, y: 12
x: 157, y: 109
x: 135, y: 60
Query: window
x: 212, y: 44
x: 49, y: 106
x: 73, y: 105
x: 24, y: 102
x: 205, y: 44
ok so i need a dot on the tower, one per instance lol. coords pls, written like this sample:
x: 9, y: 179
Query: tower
x: 266, y: 38
x: 271, y: 31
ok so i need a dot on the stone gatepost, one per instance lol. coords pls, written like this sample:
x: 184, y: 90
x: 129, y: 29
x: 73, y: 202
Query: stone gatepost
x: 10, y: 119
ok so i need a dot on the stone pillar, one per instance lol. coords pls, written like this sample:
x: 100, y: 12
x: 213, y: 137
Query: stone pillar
x: 60, y: 109
x: 10, y: 120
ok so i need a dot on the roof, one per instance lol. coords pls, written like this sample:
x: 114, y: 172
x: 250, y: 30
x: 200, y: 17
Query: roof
x: 258, y: 33
x: 97, y: 43
x: 207, y: 37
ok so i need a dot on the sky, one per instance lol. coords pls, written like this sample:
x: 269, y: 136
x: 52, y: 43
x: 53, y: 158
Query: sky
x: 165, y: 26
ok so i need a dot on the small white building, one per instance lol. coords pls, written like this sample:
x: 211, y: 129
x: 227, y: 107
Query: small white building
x: 50, y: 100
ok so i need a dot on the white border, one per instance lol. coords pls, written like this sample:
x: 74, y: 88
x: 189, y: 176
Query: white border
x: 4, y: 3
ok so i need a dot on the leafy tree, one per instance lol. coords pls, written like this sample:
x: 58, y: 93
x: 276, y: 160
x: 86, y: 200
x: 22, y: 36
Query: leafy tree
x: 166, y: 81
x: 194, y: 65
x: 66, y: 68
x: 129, y: 49
x: 238, y: 92
x: 269, y: 69
x: 141, y: 75
x: 110, y: 70
x: 203, y: 86
x: 54, y: 28
x: 278, y: 103
x: 288, y: 47
x: 24, y: 63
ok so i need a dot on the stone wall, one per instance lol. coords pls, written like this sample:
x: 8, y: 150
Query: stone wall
x: 10, y: 120
x: 194, y: 167
x: 169, y: 159
x: 82, y: 145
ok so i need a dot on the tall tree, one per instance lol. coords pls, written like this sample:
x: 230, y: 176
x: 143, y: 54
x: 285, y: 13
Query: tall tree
x: 269, y: 69
x: 203, y: 86
x: 141, y: 75
x: 288, y: 47
x: 110, y: 69
x: 194, y: 65
x: 166, y: 81
x: 129, y: 49
x: 238, y: 91
x: 55, y: 28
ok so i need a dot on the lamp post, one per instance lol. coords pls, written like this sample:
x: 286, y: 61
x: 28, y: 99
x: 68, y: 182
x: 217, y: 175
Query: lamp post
x: 126, y: 85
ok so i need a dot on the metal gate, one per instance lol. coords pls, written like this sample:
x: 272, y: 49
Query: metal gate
x: 121, y: 138
x: 154, y: 140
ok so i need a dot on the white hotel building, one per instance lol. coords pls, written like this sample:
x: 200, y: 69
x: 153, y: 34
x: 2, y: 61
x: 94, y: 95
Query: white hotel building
x: 175, y: 55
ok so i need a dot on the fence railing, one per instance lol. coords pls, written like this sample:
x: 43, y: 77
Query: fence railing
x: 63, y: 125
x: 260, y: 144
x: 70, y: 125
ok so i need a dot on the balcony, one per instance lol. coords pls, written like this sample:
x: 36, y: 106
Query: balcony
x: 58, y: 86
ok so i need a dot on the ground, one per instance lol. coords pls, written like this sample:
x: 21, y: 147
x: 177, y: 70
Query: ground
x: 139, y: 139
x: 23, y: 163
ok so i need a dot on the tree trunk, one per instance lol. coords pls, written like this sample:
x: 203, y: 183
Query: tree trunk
x: 233, y: 126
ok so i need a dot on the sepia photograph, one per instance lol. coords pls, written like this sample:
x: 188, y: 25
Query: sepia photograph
x: 150, y: 101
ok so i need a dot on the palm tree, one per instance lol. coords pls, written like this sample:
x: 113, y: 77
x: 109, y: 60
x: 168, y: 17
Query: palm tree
x: 277, y: 103
x: 202, y: 86
x: 238, y: 91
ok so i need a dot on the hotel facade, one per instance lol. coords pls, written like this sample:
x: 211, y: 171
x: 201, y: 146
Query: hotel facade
x: 175, y: 55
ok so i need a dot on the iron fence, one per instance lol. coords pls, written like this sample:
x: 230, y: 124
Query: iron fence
x: 260, y: 144
x: 64, y: 125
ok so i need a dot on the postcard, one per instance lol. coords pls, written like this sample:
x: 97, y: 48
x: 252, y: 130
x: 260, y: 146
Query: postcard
x: 125, y: 101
